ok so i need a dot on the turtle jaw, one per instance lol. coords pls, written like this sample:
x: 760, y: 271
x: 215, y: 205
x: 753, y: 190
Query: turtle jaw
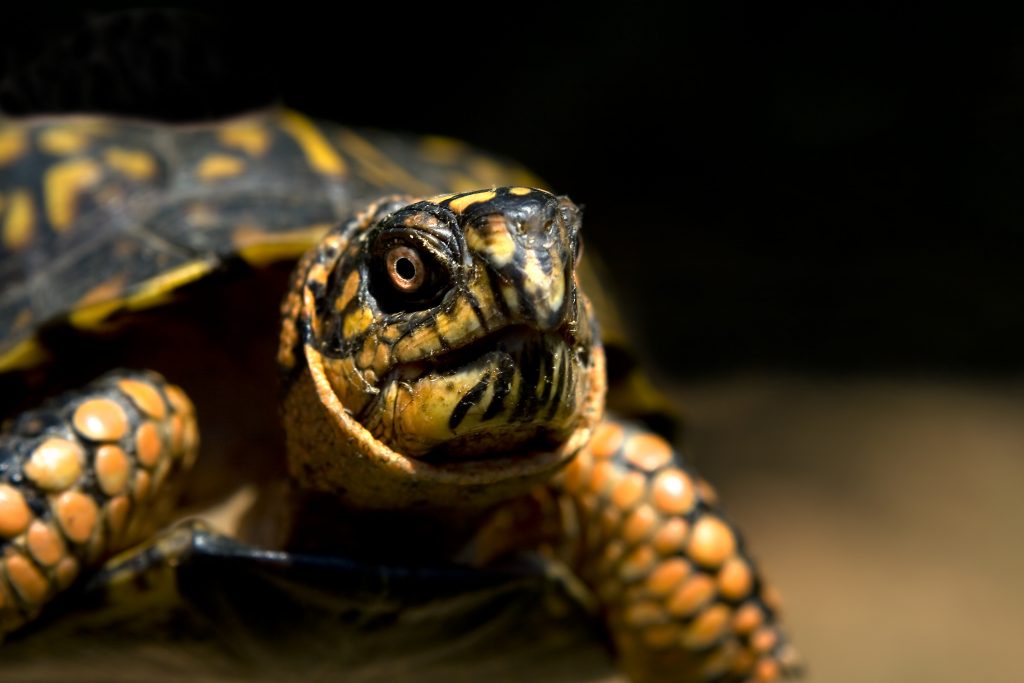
x: 516, y: 391
x: 330, y: 451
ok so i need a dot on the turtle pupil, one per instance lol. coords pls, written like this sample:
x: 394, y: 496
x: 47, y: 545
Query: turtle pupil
x: 405, y: 268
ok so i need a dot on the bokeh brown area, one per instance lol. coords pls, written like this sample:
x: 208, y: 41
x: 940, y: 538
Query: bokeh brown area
x: 887, y: 510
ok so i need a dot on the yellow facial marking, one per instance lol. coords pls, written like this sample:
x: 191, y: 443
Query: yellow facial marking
x: 252, y: 138
x: 494, y: 241
x: 461, y: 323
x: 422, y: 342
x: 318, y: 273
x: 219, y: 166
x: 19, y: 220
x: 557, y: 295
x: 258, y: 247
x: 62, y: 141
x: 13, y: 143
x: 319, y: 153
x: 438, y: 198
x: 61, y: 186
x: 357, y: 322
x: 511, y: 297
x: 348, y: 291
x: 381, y: 358
x: 422, y: 416
x: 365, y: 357
x: 132, y: 163
x: 534, y: 275
x: 462, y: 203
x: 378, y: 168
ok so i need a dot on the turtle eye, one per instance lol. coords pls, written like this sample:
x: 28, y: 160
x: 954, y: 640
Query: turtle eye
x: 407, y: 274
x: 406, y: 269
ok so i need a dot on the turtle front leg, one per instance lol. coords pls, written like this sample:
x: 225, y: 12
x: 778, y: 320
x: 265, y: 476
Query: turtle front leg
x: 636, y: 524
x: 682, y: 598
x: 84, y: 476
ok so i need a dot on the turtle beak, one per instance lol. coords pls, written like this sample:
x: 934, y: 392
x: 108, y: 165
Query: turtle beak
x: 535, y: 265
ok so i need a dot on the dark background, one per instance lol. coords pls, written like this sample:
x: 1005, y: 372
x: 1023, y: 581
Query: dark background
x: 833, y: 190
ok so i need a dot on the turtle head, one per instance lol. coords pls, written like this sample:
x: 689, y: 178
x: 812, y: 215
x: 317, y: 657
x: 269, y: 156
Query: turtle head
x: 448, y: 343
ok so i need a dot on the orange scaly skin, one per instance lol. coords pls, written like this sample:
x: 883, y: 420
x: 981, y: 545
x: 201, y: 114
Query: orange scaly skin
x: 84, y: 476
x: 682, y: 597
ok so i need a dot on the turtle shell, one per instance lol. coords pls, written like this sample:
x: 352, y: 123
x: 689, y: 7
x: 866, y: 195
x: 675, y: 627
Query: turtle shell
x: 99, y: 216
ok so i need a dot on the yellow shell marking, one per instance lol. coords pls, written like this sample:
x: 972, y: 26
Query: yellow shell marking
x: 24, y: 354
x: 379, y: 168
x: 103, y: 300
x: 23, y: 319
x: 319, y: 153
x: 441, y: 150
x: 157, y: 290
x: 219, y: 166
x: 460, y: 182
x: 132, y: 163
x: 62, y: 141
x: 520, y: 191
x: 252, y: 138
x: 13, y: 144
x: 19, y: 221
x: 488, y: 172
x: 462, y: 203
x: 61, y: 185
x: 98, y: 303
x: 258, y: 248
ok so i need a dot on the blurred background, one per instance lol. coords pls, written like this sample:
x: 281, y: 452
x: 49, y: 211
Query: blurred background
x: 813, y: 218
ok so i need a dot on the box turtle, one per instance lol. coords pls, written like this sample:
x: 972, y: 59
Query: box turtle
x: 445, y: 497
